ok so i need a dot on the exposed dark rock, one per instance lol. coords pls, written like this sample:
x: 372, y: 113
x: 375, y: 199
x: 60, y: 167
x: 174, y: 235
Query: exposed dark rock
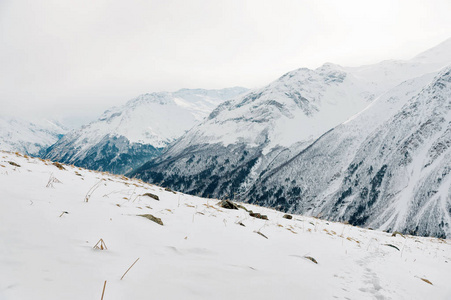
x: 227, y: 204
x: 152, y: 196
x: 13, y: 164
x: 258, y: 216
x: 152, y: 218
x: 169, y: 190
x: 312, y: 259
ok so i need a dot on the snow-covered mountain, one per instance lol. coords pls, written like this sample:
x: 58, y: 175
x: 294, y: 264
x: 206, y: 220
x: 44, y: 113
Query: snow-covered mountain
x: 270, y: 131
x: 70, y: 233
x: 31, y: 137
x: 387, y: 168
x: 125, y: 137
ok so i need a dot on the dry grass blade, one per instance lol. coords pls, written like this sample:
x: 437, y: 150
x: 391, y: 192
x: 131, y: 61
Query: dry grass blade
x: 64, y: 212
x: 427, y: 281
x: 289, y: 229
x: 130, y: 268
x: 91, y: 190
x: 103, y: 291
x: 393, y: 246
x: 312, y: 259
x: 261, y: 234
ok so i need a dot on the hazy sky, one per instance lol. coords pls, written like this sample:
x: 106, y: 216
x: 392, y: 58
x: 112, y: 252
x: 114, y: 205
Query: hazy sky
x: 77, y: 58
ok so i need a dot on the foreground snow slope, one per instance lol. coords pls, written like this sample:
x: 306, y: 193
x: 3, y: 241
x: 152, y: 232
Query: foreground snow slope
x: 201, y: 251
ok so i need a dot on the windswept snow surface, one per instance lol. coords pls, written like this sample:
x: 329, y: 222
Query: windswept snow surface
x: 48, y: 230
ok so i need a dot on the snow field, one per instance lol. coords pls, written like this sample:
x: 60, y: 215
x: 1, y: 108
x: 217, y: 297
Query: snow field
x: 201, y: 251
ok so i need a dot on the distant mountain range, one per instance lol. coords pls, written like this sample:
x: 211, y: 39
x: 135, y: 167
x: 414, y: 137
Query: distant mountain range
x: 125, y: 137
x: 367, y: 145
x: 27, y: 136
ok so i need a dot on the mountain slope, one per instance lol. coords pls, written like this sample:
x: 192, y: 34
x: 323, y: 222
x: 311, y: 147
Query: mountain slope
x: 250, y: 138
x: 31, y: 137
x: 275, y: 123
x: 289, y: 113
x: 48, y: 231
x: 380, y: 169
x: 125, y: 137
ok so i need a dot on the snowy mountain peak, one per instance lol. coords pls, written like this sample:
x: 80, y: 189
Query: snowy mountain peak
x: 28, y: 136
x: 368, y: 145
x: 162, y: 98
x: 123, y: 137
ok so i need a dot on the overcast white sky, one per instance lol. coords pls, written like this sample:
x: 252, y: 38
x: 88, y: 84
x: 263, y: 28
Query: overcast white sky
x: 77, y: 58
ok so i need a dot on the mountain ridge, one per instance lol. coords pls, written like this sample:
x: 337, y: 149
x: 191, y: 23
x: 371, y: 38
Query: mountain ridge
x: 125, y: 137
x: 232, y: 149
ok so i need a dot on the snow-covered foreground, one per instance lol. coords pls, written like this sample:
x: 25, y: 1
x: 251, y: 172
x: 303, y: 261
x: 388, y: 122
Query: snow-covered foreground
x: 48, y: 231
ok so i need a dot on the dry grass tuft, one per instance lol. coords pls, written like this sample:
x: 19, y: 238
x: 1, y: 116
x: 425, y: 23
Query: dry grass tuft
x: 59, y: 166
x: 52, y: 180
x: 289, y: 229
x: 100, y: 245
x: 91, y: 190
